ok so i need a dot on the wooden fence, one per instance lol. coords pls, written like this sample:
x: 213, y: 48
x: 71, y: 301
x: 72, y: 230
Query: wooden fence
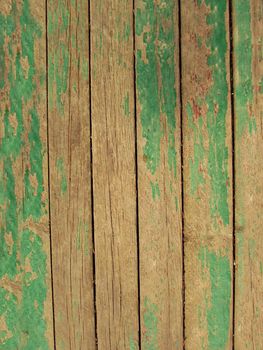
x: 131, y: 174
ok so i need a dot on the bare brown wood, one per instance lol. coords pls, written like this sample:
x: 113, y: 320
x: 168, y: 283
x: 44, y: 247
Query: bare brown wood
x: 113, y: 145
x: 207, y: 155
x: 70, y: 183
x: 159, y: 173
x: 248, y: 107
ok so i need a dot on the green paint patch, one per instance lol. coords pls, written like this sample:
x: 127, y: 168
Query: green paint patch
x: 150, y: 320
x: 199, y: 41
x: 155, y: 190
x: 133, y: 344
x: 157, y: 94
x: 127, y: 32
x: 126, y: 105
x: 261, y: 267
x: 23, y: 264
x: 243, y: 53
x: 218, y: 304
x: 61, y: 170
x: 217, y: 102
x: 196, y: 164
x: 34, y: 189
x: 176, y: 203
x: 261, y: 86
x: 58, y: 62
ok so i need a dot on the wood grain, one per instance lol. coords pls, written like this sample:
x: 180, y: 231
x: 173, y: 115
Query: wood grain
x: 70, y: 180
x: 207, y: 158
x: 248, y: 106
x: 26, y: 320
x: 159, y: 173
x: 113, y: 145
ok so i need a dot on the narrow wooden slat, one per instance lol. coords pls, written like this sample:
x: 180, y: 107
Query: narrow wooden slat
x: 70, y: 182
x: 207, y: 155
x: 113, y: 145
x: 248, y: 106
x: 26, y: 320
x: 159, y: 173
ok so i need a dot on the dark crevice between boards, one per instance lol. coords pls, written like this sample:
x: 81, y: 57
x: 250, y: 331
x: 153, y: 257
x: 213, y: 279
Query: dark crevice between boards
x: 136, y: 175
x: 49, y: 181
x: 91, y: 184
x: 233, y: 161
x: 182, y: 161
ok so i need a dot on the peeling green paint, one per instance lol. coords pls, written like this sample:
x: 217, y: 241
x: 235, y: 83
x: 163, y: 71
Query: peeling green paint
x: 23, y: 263
x: 58, y: 63
x: 243, y: 60
x: 150, y: 337
x: 61, y: 170
x: 218, y: 304
x: 126, y: 105
x: 196, y: 164
x: 133, y: 344
x: 155, y: 190
x: 127, y: 31
x: 217, y: 102
x: 157, y: 96
x: 261, y: 86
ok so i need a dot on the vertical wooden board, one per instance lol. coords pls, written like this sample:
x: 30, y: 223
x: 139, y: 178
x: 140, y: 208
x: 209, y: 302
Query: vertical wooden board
x: 248, y: 107
x: 70, y: 181
x: 207, y: 174
x: 113, y: 146
x: 26, y: 320
x: 159, y: 173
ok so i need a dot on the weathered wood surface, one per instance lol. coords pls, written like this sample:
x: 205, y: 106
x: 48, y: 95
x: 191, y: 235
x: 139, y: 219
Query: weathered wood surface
x: 159, y: 173
x: 248, y: 109
x: 114, y: 177
x: 70, y: 178
x: 116, y: 201
x: 26, y: 320
x: 207, y: 154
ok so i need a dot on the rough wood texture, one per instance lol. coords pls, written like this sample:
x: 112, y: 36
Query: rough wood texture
x: 113, y: 145
x: 248, y: 105
x: 159, y: 173
x: 25, y: 283
x: 207, y: 174
x: 70, y: 181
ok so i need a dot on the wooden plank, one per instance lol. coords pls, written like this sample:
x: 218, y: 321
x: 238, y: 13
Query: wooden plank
x: 248, y: 105
x: 159, y: 173
x: 207, y: 158
x: 113, y: 146
x: 70, y: 180
x: 26, y: 319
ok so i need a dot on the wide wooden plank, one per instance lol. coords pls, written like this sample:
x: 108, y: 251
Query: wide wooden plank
x: 207, y: 155
x: 114, y: 185
x: 248, y: 106
x: 159, y: 173
x: 70, y: 180
x: 26, y: 320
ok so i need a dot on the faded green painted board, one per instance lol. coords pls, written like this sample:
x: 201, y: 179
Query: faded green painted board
x: 25, y: 280
x: 248, y: 106
x: 159, y: 173
x: 207, y: 156
x: 70, y: 180
x: 114, y: 178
